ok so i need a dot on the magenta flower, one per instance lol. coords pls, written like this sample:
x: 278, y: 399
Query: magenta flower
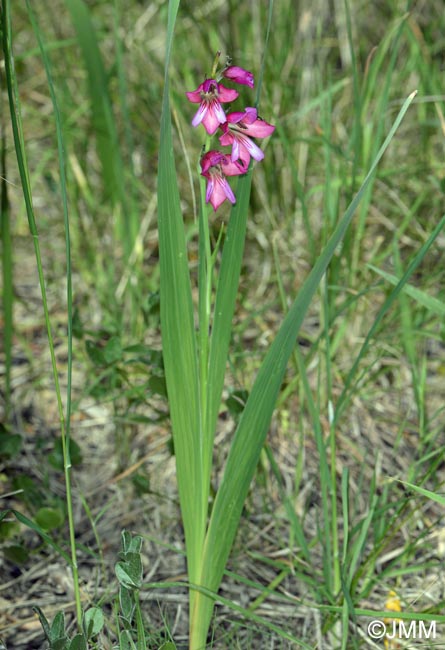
x: 236, y: 132
x: 239, y: 75
x: 210, y: 95
x: 215, y: 166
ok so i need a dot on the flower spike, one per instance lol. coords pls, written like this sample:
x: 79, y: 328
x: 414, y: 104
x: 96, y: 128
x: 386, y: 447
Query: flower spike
x: 238, y: 129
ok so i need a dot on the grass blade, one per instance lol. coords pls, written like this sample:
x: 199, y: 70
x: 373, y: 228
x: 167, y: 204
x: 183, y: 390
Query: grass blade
x: 383, y: 310
x: 438, y: 498
x: 65, y: 428
x: 432, y: 304
x: 7, y: 272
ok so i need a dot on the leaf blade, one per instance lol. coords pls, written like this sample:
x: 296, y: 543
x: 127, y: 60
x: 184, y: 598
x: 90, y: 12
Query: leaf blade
x: 178, y: 334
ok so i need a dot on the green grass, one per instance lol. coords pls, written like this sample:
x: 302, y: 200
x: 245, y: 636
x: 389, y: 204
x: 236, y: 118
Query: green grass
x: 344, y: 504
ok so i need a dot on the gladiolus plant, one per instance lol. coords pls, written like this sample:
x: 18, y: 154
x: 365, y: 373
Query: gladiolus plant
x: 195, y: 356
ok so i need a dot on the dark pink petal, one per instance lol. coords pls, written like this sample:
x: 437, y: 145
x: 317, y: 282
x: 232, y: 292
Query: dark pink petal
x: 234, y: 118
x: 250, y: 115
x: 239, y: 75
x: 221, y: 192
x: 226, y: 94
x: 234, y: 168
x: 250, y: 123
x: 195, y: 95
x: 259, y: 129
x: 227, y: 138
x: 214, y: 117
x: 210, y: 159
x: 244, y: 159
x: 209, y: 85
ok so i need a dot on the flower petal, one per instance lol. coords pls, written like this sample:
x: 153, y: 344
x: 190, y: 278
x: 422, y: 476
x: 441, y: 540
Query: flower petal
x: 244, y: 160
x: 227, y: 189
x: 212, y: 118
x: 250, y: 115
x: 200, y: 114
x: 210, y: 188
x: 231, y: 168
x: 226, y: 138
x: 235, y: 117
x: 209, y: 85
x: 239, y: 75
x: 226, y: 94
x: 250, y: 146
x: 210, y: 159
x: 219, y: 111
x: 194, y: 96
x: 259, y: 129
x: 235, y: 150
x: 219, y: 192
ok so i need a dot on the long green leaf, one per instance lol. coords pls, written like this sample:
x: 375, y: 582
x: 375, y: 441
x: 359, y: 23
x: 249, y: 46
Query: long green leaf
x: 20, y: 151
x: 424, y: 299
x: 254, y: 424
x: 438, y: 498
x: 178, y: 335
x: 66, y: 426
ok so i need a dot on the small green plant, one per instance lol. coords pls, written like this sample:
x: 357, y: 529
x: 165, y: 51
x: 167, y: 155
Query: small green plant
x: 58, y: 637
x: 129, y: 574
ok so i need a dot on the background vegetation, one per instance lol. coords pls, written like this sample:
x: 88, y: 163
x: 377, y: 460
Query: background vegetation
x: 327, y: 532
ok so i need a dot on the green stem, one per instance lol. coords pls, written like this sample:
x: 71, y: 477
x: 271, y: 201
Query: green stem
x: 17, y: 128
x: 7, y: 271
x: 141, y: 641
x: 333, y: 443
x: 204, y: 309
x: 205, y: 296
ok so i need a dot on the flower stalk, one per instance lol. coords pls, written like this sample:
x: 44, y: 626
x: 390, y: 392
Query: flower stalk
x: 231, y: 157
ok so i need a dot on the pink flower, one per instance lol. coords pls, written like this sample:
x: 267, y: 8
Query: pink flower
x: 215, y: 166
x: 236, y: 132
x: 239, y: 75
x: 210, y: 95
